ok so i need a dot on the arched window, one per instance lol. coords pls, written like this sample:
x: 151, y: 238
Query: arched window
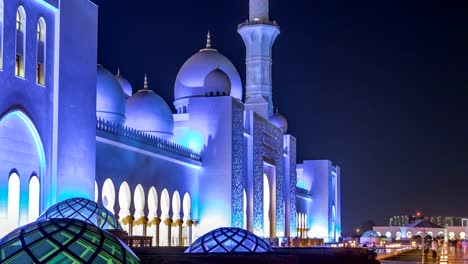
x: 41, y: 51
x: 388, y: 234
x: 20, y: 41
x: 34, y: 196
x: 2, y: 17
x: 409, y: 234
x: 13, y: 200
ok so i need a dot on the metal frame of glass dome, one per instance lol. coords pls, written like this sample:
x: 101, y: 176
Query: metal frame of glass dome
x: 63, y: 241
x: 228, y: 240
x: 85, y: 210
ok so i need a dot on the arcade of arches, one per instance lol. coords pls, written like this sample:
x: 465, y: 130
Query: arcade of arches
x: 173, y: 227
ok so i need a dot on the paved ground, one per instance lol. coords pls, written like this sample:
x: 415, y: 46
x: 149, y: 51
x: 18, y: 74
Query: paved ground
x: 453, y: 257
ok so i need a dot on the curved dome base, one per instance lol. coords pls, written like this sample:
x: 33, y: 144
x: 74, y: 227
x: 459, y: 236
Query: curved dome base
x: 227, y: 240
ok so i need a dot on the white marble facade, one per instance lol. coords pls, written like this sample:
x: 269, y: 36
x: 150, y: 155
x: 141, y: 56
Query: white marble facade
x: 222, y: 159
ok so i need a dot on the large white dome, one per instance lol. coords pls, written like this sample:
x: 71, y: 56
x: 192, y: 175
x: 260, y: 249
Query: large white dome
x: 148, y: 112
x: 110, y: 98
x: 191, y: 77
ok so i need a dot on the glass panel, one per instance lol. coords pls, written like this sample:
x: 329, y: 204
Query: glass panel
x: 43, y: 249
x: 21, y: 257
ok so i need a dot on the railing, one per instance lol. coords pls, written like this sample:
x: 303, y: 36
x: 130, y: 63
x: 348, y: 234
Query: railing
x: 142, y: 137
x: 258, y: 22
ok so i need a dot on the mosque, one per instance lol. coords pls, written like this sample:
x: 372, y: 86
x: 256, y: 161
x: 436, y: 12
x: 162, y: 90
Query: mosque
x: 69, y: 128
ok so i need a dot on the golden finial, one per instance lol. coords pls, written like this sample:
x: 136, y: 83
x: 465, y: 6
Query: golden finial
x: 145, y: 86
x: 208, y: 40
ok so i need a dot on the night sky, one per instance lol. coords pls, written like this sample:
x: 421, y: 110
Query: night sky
x: 377, y: 87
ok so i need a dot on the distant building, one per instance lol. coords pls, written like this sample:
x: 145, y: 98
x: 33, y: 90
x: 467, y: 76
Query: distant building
x: 402, y: 220
x: 455, y: 227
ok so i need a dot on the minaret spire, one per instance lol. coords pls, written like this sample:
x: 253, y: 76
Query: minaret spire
x: 208, y: 40
x: 145, y: 85
x: 118, y: 71
x: 259, y: 95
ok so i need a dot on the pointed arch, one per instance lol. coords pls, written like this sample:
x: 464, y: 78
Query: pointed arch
x: 187, y: 206
x: 125, y: 199
x: 165, y: 204
x: 34, y: 197
x: 108, y: 195
x: 152, y: 203
x: 139, y: 201
x: 175, y: 206
x: 19, y: 131
x: 41, y: 51
x: 20, y: 42
x: 13, y: 200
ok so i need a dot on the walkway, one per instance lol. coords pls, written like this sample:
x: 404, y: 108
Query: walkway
x: 458, y: 256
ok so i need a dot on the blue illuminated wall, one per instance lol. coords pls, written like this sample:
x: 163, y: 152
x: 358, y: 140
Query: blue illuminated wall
x: 76, y: 110
x: 22, y: 152
x: 290, y: 182
x: 62, y: 111
x: 214, y: 118
x: 323, y: 179
x: 238, y: 167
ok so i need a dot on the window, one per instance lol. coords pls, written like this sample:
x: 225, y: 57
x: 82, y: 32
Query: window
x: 41, y: 51
x: 19, y: 66
x: 20, y: 41
x: 13, y: 200
x: 34, y: 196
x: 19, y: 20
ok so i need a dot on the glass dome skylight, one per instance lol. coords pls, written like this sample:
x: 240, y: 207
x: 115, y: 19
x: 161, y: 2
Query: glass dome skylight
x: 228, y: 240
x: 85, y: 210
x: 63, y: 241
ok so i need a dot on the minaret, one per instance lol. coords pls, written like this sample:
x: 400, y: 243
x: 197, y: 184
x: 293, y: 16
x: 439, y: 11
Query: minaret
x: 259, y: 33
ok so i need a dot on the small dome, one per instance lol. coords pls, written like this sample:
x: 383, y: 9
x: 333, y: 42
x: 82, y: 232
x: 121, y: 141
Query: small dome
x: 125, y: 84
x: 64, y: 241
x: 190, y: 80
x: 370, y: 233
x: 229, y: 240
x: 148, y: 112
x: 110, y: 98
x: 217, y: 82
x: 280, y: 121
x: 85, y: 210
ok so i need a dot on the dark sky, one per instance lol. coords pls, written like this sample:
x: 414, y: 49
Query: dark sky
x: 377, y: 87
